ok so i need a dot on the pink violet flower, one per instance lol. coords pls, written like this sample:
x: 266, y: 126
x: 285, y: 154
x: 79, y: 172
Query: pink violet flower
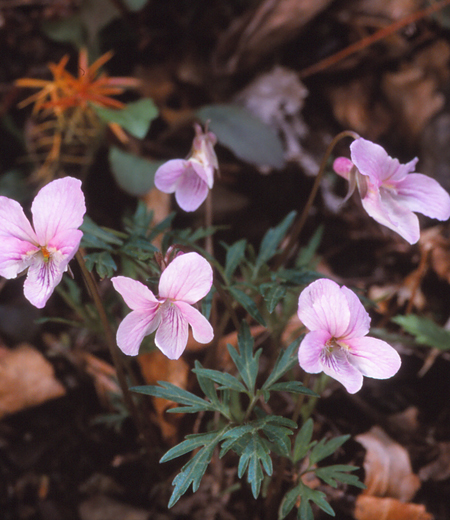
x: 186, y: 280
x: 337, y: 343
x: 46, y: 250
x: 190, y: 179
x: 390, y: 192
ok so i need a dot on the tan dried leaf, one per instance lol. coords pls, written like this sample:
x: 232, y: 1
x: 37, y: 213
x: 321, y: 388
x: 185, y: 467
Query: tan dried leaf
x: 26, y: 379
x: 376, y: 508
x: 387, y: 466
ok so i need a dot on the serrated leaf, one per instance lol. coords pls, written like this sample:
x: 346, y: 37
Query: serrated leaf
x: 247, y: 303
x: 331, y: 475
x: 288, y: 502
x: 303, y: 440
x: 103, y: 263
x: 273, y: 293
x: 324, y: 449
x: 193, y: 471
x: 307, y: 253
x: 222, y: 378
x: 135, y: 117
x: 133, y: 174
x: 245, y: 362
x: 139, y: 248
x: 255, y: 453
x: 89, y: 227
x: 191, y: 443
x: 272, y: 240
x: 234, y: 256
x: 425, y: 331
x: 207, y: 385
x: 279, y: 437
x: 286, y: 360
x: 172, y: 392
x: 244, y: 134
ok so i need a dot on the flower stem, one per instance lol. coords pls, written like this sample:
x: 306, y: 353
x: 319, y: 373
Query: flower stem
x: 92, y: 287
x: 300, y: 222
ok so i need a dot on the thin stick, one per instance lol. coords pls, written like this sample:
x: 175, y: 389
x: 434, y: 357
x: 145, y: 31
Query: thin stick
x: 111, y: 342
x: 300, y: 222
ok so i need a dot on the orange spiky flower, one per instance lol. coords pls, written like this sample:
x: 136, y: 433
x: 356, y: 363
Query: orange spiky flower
x: 67, y: 105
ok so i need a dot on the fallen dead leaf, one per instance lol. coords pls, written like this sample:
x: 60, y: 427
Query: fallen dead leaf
x: 376, y: 508
x: 26, y: 379
x: 436, y: 243
x: 155, y: 366
x: 101, y: 507
x: 387, y: 466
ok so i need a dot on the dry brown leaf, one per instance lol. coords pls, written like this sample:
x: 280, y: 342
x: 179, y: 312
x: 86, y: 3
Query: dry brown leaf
x: 155, y: 366
x: 376, y: 508
x: 101, y: 507
x: 387, y: 466
x: 26, y: 379
x: 437, y: 244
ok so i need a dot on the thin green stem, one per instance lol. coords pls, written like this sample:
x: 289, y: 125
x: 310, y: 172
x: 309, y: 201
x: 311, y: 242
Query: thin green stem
x: 300, y: 222
x: 111, y: 342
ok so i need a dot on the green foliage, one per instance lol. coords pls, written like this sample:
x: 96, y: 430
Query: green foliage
x: 425, y: 331
x: 135, y: 117
x: 244, y: 134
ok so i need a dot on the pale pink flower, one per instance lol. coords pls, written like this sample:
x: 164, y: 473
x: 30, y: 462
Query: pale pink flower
x: 186, y: 280
x: 190, y: 179
x: 390, y: 192
x: 337, y: 343
x: 46, y: 250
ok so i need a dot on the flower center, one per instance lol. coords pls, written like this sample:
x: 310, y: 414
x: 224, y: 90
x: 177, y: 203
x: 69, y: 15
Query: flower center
x: 45, y: 253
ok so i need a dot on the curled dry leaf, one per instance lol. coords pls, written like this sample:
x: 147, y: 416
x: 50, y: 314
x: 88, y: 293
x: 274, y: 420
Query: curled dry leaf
x: 26, y: 379
x: 376, y: 508
x: 155, y: 366
x: 436, y: 243
x: 387, y: 466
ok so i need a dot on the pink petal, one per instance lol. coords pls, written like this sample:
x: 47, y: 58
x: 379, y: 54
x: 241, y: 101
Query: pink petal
x: 204, y: 171
x: 14, y: 223
x: 67, y: 243
x: 172, y: 334
x: 187, y: 278
x: 359, y: 323
x: 191, y: 190
x: 371, y: 159
x: 374, y: 357
x: 425, y: 195
x: 337, y: 366
x: 15, y: 256
x: 59, y: 206
x: 201, y: 328
x: 43, y: 277
x: 311, y: 349
x: 134, y: 327
x: 136, y: 295
x: 168, y: 175
x: 342, y: 166
x: 384, y: 208
x: 322, y: 306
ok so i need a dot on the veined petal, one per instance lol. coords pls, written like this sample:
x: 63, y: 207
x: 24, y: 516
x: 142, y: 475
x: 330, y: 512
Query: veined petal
x: 67, y: 243
x: 383, y: 207
x: 359, y: 322
x: 168, y: 175
x: 15, y: 256
x: 14, y: 223
x: 311, y: 349
x: 58, y: 207
x: 134, y: 327
x: 172, y: 334
x: 187, y: 278
x: 336, y: 365
x: 425, y: 195
x: 374, y: 357
x: 43, y: 277
x: 135, y: 294
x: 204, y: 171
x: 322, y: 306
x: 372, y: 160
x: 201, y: 328
x: 191, y: 190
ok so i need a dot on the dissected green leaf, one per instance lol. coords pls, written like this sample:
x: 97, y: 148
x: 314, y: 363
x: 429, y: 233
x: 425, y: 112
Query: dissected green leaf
x: 91, y: 231
x: 135, y: 117
x: 133, y: 174
x: 318, y: 497
x: 103, y: 263
x: 245, y: 362
x: 248, y: 304
x: 235, y: 254
x: 331, y: 475
x: 222, y: 378
x: 425, y: 331
x: 272, y: 240
x: 244, y: 134
x: 324, y: 449
x: 298, y: 276
x: 303, y: 441
x: 255, y: 453
x: 189, y: 444
x: 191, y: 402
x: 287, y: 360
x: 288, y: 502
x: 273, y: 293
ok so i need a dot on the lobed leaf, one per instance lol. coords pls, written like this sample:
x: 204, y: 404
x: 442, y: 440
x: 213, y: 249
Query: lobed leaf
x: 425, y: 331
x: 248, y: 304
x: 339, y: 472
x: 234, y: 256
x: 303, y: 441
x: 324, y: 449
x: 222, y: 378
x: 103, y: 263
x: 273, y: 293
x: 245, y: 362
x: 287, y: 359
